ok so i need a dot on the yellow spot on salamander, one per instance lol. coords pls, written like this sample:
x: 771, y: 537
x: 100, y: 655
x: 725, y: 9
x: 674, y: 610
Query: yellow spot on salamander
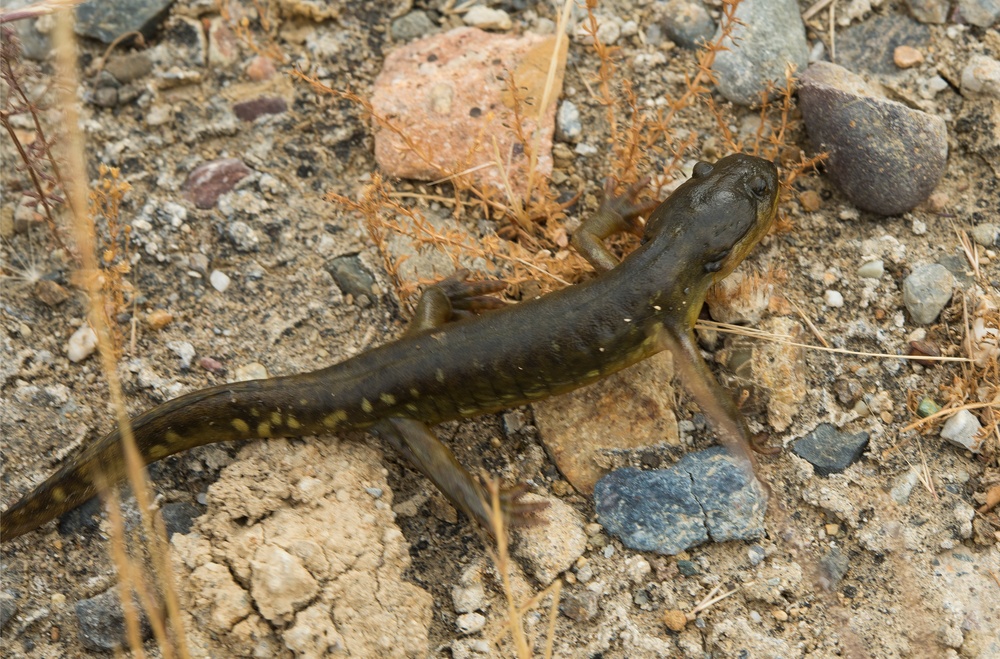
x: 58, y: 495
x: 414, y: 392
x: 172, y: 439
x: 593, y: 374
x: 412, y: 408
x: 254, y: 412
x: 293, y: 423
x: 157, y: 451
x: 303, y: 401
x: 439, y: 375
x: 331, y: 420
x: 388, y: 399
x: 366, y: 405
x: 240, y: 425
x: 275, y: 418
x: 264, y: 429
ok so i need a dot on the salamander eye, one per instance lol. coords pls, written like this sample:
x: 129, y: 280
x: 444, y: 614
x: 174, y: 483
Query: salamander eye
x: 701, y: 169
x: 758, y: 187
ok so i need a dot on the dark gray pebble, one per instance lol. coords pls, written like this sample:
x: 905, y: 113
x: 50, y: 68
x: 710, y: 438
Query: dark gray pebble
x: 106, y: 20
x: 833, y: 567
x: 958, y: 266
x: 687, y: 23
x: 708, y: 494
x: 211, y: 180
x: 581, y: 605
x: 869, y: 45
x: 884, y: 156
x: 929, y: 11
x: 8, y: 607
x: 102, y: 622
x: 829, y: 450
x: 82, y: 519
x: 351, y: 275
x: 179, y: 517
x: 771, y: 37
x: 413, y: 25
x: 688, y: 568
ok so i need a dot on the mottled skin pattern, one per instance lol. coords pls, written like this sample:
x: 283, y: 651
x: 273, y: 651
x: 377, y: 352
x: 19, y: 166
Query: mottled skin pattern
x: 440, y: 370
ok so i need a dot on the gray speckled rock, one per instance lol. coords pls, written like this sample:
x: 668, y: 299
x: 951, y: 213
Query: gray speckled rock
x: 705, y: 495
x: 351, y: 275
x: 106, y: 20
x: 926, y: 291
x: 869, y: 45
x: 982, y: 13
x: 884, y: 156
x: 772, y: 35
x: 687, y: 23
x: 829, y: 450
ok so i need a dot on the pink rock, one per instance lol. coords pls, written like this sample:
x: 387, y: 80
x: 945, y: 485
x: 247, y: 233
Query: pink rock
x: 448, y: 95
x: 260, y: 68
x: 223, y: 46
x: 211, y: 180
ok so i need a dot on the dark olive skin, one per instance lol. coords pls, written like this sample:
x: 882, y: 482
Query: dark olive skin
x: 443, y: 369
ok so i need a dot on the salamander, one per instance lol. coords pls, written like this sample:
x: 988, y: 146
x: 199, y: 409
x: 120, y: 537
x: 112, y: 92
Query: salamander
x: 445, y: 368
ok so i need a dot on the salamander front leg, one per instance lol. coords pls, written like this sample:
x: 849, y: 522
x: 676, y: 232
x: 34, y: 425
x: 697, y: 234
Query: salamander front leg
x: 452, y: 298
x: 617, y: 214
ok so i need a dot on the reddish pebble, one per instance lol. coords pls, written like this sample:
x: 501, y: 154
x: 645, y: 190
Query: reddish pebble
x: 907, y: 56
x: 211, y: 180
x: 211, y: 365
x: 810, y: 201
x: 260, y: 68
x: 258, y: 107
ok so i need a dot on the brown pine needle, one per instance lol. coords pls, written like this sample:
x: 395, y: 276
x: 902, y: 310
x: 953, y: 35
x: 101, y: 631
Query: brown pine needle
x: 809, y: 324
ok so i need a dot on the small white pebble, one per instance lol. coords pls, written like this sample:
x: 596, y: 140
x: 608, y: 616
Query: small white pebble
x: 833, y: 299
x: 220, y: 280
x: 82, y: 344
x: 919, y: 227
x: 872, y: 270
x: 470, y: 623
x: 487, y: 19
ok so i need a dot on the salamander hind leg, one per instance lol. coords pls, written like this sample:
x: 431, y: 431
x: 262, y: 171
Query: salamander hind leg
x: 415, y: 441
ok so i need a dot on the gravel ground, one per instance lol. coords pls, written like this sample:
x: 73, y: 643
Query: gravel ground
x: 866, y: 562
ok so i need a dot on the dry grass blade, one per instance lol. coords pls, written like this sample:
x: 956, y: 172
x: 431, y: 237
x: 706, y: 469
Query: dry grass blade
x: 502, y: 560
x: 85, y: 238
x: 786, y: 340
x: 970, y: 249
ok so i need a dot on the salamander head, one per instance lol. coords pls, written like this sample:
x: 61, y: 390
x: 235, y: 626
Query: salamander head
x: 717, y: 216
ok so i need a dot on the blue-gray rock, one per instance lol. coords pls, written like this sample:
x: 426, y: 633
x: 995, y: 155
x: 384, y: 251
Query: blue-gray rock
x: 106, y: 20
x: 771, y: 37
x: 102, y: 622
x: 568, y: 126
x: 350, y: 275
x: 884, y: 156
x: 926, y: 291
x: 929, y: 11
x: 179, y: 517
x: 706, y: 495
x: 687, y: 23
x: 982, y: 13
x: 829, y: 450
x: 869, y: 45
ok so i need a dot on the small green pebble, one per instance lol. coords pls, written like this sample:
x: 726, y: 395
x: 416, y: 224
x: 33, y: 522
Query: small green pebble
x: 927, y: 407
